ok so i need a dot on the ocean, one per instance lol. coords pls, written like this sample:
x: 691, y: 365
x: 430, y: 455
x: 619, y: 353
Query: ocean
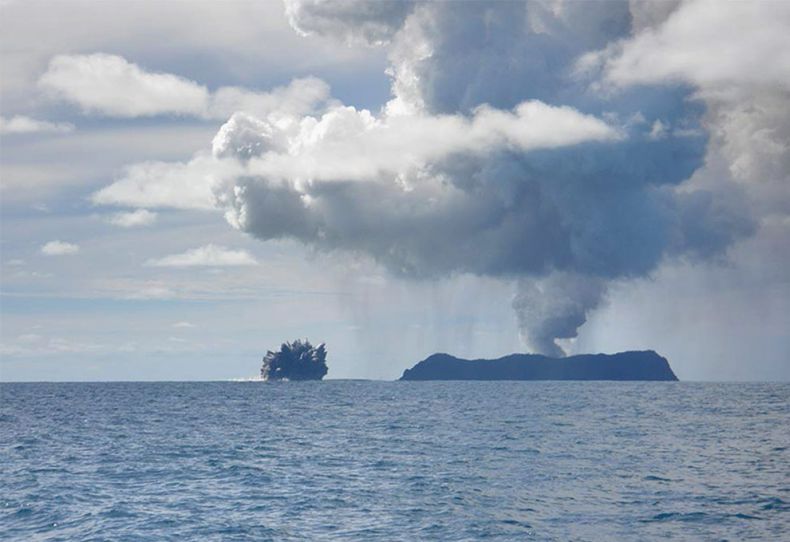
x: 359, y: 460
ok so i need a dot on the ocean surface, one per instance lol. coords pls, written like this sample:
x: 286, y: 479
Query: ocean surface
x: 352, y: 460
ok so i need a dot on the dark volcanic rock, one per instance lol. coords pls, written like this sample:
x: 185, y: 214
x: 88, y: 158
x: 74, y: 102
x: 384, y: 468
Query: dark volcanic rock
x: 644, y: 365
x: 295, y: 361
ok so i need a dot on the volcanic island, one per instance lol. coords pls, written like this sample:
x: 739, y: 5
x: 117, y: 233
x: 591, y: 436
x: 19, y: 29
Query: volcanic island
x: 637, y: 365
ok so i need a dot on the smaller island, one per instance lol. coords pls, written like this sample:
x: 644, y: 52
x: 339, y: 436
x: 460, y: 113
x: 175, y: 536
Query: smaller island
x: 640, y: 365
x: 297, y: 360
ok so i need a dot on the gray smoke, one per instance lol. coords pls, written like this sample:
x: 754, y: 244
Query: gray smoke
x: 554, y: 308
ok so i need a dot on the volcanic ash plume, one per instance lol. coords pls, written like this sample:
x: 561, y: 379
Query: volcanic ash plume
x: 555, y: 308
x: 502, y: 153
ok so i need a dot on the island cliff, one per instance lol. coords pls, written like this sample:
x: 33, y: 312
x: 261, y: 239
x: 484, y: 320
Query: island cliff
x: 298, y: 360
x: 642, y: 365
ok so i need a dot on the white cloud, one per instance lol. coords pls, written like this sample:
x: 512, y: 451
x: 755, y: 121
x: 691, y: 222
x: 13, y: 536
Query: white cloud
x: 297, y: 98
x: 347, y: 144
x: 59, y: 248
x: 140, y: 217
x: 184, y: 325
x: 657, y: 131
x: 165, y: 184
x: 239, y: 41
x: 110, y: 85
x: 34, y: 169
x: 708, y: 43
x: 209, y: 255
x: 20, y: 124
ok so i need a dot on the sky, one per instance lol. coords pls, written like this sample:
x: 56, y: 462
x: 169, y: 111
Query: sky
x: 185, y: 185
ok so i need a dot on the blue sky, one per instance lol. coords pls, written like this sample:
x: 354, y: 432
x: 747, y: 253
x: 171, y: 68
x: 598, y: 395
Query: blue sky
x: 186, y: 185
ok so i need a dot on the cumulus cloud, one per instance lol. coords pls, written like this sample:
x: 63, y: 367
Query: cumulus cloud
x: 110, y: 85
x: 209, y: 255
x: 164, y: 184
x: 356, y: 22
x: 696, y: 43
x: 139, y: 217
x: 503, y: 152
x: 20, y: 124
x: 299, y: 97
x: 59, y: 248
x: 346, y: 144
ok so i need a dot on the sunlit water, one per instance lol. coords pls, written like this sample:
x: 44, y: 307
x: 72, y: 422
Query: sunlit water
x: 395, y: 461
